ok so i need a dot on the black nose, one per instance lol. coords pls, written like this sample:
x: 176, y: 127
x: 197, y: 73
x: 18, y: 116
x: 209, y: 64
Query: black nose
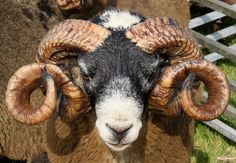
x: 119, y: 133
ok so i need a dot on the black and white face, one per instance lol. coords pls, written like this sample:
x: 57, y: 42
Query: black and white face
x: 118, y: 78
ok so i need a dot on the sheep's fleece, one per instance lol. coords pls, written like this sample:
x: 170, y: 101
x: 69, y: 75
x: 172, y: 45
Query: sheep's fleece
x: 163, y: 139
x: 81, y: 142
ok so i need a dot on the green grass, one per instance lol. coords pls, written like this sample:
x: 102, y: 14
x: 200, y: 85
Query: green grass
x: 230, y: 70
x: 209, y: 145
x: 231, y: 122
x: 228, y: 67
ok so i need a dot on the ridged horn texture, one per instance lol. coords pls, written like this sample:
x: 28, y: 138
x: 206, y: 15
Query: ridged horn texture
x: 65, y: 5
x: 70, y: 35
x: 167, y: 36
x: 79, y: 5
x: 21, y: 85
x: 209, y: 74
x: 75, y: 4
x: 27, y: 79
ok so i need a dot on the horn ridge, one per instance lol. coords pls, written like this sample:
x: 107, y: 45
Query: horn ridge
x: 21, y: 85
x: 165, y: 34
x: 205, y: 71
x: 70, y: 35
x: 28, y: 78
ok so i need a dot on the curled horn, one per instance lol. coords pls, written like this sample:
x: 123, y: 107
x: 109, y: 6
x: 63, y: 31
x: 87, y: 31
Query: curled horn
x: 21, y: 85
x: 217, y: 87
x: 167, y: 36
x: 69, y: 35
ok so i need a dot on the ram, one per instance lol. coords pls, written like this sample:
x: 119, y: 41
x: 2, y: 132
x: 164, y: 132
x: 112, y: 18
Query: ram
x: 123, y: 99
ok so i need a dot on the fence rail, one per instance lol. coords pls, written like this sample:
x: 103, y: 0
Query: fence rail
x: 219, y: 51
x: 217, y: 5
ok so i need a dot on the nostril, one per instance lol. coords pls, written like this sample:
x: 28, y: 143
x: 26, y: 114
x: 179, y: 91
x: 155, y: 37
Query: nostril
x: 119, y: 132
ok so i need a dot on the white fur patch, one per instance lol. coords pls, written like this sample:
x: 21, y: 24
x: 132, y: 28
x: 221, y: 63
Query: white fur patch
x: 84, y: 69
x: 118, y: 111
x: 83, y: 66
x: 119, y: 20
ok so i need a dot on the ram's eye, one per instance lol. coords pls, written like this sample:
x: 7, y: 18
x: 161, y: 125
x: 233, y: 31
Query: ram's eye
x: 150, y: 77
x: 85, y: 77
x: 87, y: 70
x: 88, y: 76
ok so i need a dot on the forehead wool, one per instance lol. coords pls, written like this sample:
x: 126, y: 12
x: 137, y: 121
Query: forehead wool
x: 118, y: 20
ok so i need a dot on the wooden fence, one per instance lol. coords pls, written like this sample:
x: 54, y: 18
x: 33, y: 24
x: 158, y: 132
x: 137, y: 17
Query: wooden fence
x: 219, y: 51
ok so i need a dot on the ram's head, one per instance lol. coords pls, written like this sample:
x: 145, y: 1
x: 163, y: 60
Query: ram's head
x: 149, y: 66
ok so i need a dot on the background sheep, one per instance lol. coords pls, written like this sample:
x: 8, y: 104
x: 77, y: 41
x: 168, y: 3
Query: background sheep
x: 62, y: 128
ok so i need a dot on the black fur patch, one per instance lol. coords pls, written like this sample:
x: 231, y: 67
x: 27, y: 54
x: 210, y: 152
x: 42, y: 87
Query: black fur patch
x: 118, y: 57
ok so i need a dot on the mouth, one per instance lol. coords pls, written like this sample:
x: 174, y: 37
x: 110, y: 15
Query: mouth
x: 118, y: 146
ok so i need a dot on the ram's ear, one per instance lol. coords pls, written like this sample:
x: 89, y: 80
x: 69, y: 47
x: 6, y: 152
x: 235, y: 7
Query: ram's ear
x: 69, y: 35
x: 63, y: 43
x: 75, y: 73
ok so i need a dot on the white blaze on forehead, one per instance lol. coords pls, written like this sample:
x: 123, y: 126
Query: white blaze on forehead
x: 119, y: 20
